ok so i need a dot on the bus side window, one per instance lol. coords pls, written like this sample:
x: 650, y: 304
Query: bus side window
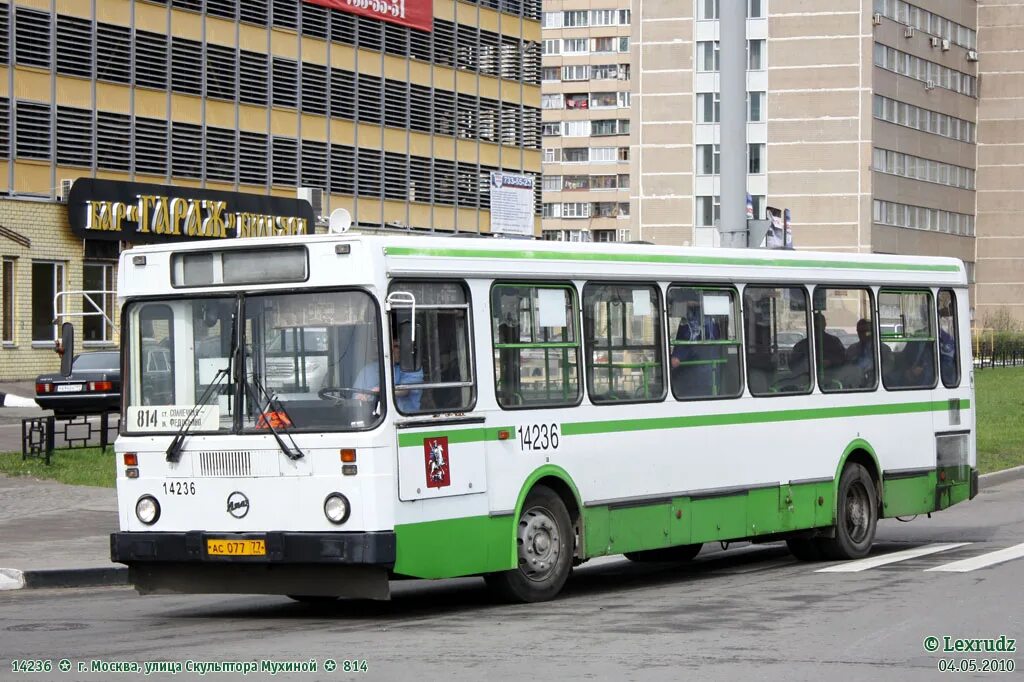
x: 443, y: 349
x: 778, y: 350
x: 622, y: 331
x: 906, y: 325
x: 704, y: 343
x: 536, y: 345
x: 844, y: 340
x: 949, y: 346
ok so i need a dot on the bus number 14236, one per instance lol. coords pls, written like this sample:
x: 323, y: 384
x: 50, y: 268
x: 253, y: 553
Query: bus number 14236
x: 538, y: 437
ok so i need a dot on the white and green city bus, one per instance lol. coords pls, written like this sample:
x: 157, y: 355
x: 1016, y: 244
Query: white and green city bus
x: 317, y: 416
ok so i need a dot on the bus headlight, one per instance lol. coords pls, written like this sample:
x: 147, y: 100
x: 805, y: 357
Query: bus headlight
x: 147, y: 509
x: 337, y: 508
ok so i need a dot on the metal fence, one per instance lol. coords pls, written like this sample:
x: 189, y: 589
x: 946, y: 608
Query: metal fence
x: 997, y: 349
x: 40, y: 436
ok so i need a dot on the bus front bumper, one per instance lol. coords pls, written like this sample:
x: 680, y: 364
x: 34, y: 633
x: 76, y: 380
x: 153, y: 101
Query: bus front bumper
x: 308, y: 564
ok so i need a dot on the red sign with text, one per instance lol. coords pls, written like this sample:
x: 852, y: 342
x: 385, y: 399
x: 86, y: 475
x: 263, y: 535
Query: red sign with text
x: 414, y: 13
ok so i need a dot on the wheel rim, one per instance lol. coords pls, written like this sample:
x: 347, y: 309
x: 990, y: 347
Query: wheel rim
x: 858, y: 512
x: 539, y: 545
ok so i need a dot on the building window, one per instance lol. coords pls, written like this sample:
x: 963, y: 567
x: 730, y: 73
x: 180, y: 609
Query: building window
x: 97, y: 277
x: 7, y: 300
x: 755, y: 107
x: 47, y: 282
x: 708, y: 107
x: 755, y: 157
x: 708, y: 211
x: 707, y: 9
x: 707, y: 55
x: 32, y: 37
x: 708, y: 159
x: 755, y: 55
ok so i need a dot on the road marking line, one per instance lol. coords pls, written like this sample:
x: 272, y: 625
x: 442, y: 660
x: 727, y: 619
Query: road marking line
x: 890, y: 558
x: 983, y: 560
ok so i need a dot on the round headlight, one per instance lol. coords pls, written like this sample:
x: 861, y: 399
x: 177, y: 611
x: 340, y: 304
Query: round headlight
x: 147, y: 509
x: 337, y: 508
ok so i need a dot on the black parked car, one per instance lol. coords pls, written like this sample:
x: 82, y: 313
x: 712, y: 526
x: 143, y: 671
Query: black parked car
x: 93, y: 387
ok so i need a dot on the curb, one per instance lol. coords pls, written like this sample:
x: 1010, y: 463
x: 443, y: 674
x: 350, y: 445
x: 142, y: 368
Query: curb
x: 14, y: 579
x: 997, y: 477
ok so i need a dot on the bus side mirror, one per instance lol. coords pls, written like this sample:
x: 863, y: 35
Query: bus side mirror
x: 67, y: 348
x: 408, y: 360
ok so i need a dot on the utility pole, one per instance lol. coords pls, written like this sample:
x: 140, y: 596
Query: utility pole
x: 732, y: 226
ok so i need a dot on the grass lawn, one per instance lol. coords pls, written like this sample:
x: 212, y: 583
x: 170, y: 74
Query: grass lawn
x: 1000, y: 420
x: 1000, y: 395
x: 86, y: 466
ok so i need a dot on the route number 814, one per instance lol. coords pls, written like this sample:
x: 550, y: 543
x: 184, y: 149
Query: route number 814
x: 538, y: 437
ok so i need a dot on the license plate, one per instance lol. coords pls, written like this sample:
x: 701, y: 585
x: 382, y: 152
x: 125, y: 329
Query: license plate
x: 69, y: 388
x: 236, y: 547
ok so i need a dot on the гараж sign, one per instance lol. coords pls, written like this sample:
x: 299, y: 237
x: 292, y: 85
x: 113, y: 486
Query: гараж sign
x: 151, y: 214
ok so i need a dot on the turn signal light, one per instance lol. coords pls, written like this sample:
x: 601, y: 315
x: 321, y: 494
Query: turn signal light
x: 348, y: 455
x: 131, y: 459
x: 44, y: 388
x: 101, y: 385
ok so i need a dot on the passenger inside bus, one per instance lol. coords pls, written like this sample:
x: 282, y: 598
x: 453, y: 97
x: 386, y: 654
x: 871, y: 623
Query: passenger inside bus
x: 832, y: 352
x: 693, y: 366
x: 408, y: 400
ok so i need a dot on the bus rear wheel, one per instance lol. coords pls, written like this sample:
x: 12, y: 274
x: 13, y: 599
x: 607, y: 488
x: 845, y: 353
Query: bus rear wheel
x: 856, y: 516
x: 544, y: 540
x: 679, y: 553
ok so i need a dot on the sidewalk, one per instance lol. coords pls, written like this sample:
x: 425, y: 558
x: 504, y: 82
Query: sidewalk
x: 55, y: 535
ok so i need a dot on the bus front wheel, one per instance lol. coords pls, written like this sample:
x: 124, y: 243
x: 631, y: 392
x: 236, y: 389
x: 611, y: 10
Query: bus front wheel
x: 544, y: 539
x: 856, y: 516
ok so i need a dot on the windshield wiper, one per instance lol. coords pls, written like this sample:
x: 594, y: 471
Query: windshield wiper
x: 174, y: 449
x: 292, y: 452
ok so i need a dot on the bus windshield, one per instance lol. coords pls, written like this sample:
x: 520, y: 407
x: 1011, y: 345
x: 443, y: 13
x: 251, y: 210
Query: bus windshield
x: 312, y: 361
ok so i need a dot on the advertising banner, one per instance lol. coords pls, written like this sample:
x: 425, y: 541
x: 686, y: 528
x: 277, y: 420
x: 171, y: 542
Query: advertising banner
x: 413, y: 13
x: 512, y: 204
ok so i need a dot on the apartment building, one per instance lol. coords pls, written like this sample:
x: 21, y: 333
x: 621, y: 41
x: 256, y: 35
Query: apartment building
x: 108, y: 107
x: 585, y: 101
x: 863, y: 121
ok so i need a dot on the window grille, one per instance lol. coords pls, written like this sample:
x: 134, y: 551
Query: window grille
x: 314, y: 89
x: 151, y: 60
x: 5, y: 32
x: 369, y: 101
x: 5, y: 128
x: 368, y: 175
x: 419, y: 108
x: 343, y: 94
x: 221, y: 72
x: 314, y: 164
x: 468, y: 194
x: 314, y: 20
x: 150, y: 148
x: 226, y: 9
x: 221, y: 153
x: 370, y: 32
x: 444, y: 42
x: 252, y: 72
x: 419, y: 44
x: 283, y: 168
x: 444, y: 182
x: 32, y: 121
x: 343, y: 28
x: 396, y: 104
x: 466, y: 116
x: 286, y: 82
x: 396, y: 176
x: 420, y: 187
x: 342, y: 169
x: 444, y: 113
x: 186, y: 66
x: 286, y: 14
x: 186, y: 150
x: 468, y: 38
x: 396, y: 40
x: 114, y: 53
x: 32, y: 37
x: 252, y: 158
x: 253, y: 11
x: 74, y: 137
x: 113, y: 141
x: 74, y: 47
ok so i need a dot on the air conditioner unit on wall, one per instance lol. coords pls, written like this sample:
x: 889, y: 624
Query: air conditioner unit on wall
x: 65, y: 189
x: 972, y: 55
x: 315, y: 197
x: 934, y: 42
x: 908, y: 32
x: 945, y: 45
x: 929, y: 85
x: 876, y: 19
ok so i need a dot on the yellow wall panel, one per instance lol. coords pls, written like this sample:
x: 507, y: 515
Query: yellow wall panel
x: 444, y: 9
x: 252, y: 38
x: 150, y: 103
x: 147, y: 17
x: 5, y: 90
x: 512, y: 91
x: 284, y: 44
x: 369, y: 62
x: 467, y: 150
x: 220, y: 114
x: 419, y: 144
x: 220, y: 186
x: 395, y: 68
x: 369, y: 210
x: 343, y: 57
x: 490, y: 154
x: 186, y: 109
x: 111, y: 175
x: 32, y: 84
x: 151, y: 179
x: 74, y: 8
x: 38, y: 4
x: 395, y: 140
x: 252, y: 118
x: 419, y: 73
x: 314, y: 50
x: 419, y: 215
x: 74, y: 92
x: 342, y: 132
x: 489, y: 20
x: 220, y: 31
x: 465, y: 81
x: 284, y: 122
x: 444, y: 218
x: 4, y: 168
x: 314, y: 128
x: 187, y: 25
x: 368, y: 136
x: 394, y: 212
x: 468, y: 219
x: 111, y: 97
x: 444, y: 148
x: 489, y: 87
x: 113, y: 11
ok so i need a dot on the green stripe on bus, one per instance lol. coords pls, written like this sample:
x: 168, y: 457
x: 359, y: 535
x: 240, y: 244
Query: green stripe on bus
x: 657, y: 423
x: 663, y: 259
x: 454, y: 435
x: 415, y: 439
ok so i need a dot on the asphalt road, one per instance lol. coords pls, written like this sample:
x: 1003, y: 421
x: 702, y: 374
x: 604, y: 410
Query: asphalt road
x: 751, y: 612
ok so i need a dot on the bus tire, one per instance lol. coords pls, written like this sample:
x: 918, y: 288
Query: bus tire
x: 856, y: 516
x: 805, y: 549
x: 679, y: 553
x: 544, y: 541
